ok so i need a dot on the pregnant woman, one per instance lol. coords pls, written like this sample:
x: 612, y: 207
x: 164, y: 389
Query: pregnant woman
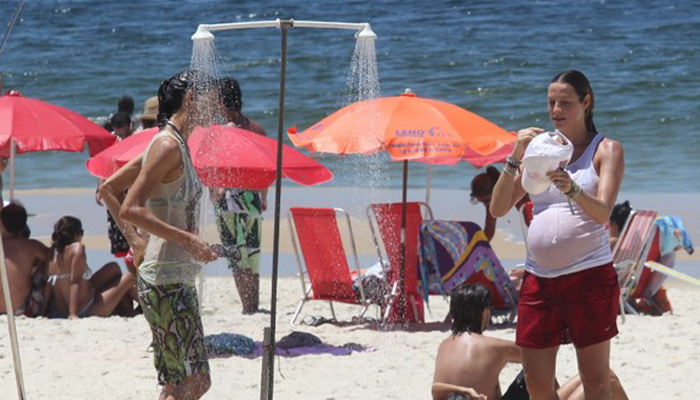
x: 570, y: 291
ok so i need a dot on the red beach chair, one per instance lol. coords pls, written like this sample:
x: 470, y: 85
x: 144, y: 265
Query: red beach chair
x: 315, y: 232
x: 386, y: 220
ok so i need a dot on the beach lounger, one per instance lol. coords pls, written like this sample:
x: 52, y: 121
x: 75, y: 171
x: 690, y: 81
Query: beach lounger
x: 631, y: 251
x: 453, y: 253
x: 316, y: 235
x: 385, y: 226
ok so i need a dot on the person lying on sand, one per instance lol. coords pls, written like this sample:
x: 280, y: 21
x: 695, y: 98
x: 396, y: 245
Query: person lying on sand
x: 468, y: 363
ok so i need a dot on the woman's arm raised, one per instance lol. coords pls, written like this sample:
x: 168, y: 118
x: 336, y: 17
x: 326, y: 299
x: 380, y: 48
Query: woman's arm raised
x: 508, y: 190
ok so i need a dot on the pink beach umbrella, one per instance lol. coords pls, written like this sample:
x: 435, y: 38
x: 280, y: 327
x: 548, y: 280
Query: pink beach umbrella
x: 223, y: 156
x: 28, y: 125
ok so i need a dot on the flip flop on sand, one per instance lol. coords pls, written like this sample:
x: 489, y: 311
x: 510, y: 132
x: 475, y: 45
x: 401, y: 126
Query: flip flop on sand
x: 315, y: 320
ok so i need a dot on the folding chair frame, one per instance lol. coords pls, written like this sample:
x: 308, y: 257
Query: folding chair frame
x: 629, y: 270
x: 306, y: 289
x: 384, y: 261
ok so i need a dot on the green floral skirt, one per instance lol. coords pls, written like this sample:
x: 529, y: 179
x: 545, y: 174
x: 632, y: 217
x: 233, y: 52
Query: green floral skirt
x: 172, y: 311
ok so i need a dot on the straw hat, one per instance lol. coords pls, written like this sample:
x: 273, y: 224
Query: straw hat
x: 150, y: 109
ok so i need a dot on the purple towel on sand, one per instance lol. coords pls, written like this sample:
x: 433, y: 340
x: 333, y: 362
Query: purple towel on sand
x: 293, y: 345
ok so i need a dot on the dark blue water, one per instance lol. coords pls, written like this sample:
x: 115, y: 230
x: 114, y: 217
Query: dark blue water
x: 493, y: 58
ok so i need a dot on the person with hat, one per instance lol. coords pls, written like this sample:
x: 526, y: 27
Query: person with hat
x: 150, y: 113
x: 570, y: 292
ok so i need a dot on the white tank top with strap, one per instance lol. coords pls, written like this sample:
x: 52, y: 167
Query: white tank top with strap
x: 562, y: 238
x: 177, y: 204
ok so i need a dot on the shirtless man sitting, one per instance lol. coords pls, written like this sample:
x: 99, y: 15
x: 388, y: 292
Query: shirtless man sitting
x: 468, y: 363
x: 26, y: 262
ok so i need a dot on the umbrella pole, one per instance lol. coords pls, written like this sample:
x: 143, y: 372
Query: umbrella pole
x: 402, y: 271
x: 13, y: 155
x: 11, y: 324
x: 428, y: 184
x: 268, y: 367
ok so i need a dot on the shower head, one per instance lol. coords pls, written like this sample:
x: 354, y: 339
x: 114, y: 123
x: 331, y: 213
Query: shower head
x: 202, y: 33
x: 366, y: 33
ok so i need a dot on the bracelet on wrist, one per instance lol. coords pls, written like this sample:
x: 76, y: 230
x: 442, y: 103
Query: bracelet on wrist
x: 513, y: 162
x: 574, y: 192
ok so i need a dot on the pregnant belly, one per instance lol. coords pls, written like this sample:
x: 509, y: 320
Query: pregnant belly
x: 556, y: 239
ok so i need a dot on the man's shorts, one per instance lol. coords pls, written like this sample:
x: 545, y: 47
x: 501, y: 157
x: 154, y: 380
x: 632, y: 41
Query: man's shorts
x: 172, y: 312
x: 239, y: 221
x: 581, y: 308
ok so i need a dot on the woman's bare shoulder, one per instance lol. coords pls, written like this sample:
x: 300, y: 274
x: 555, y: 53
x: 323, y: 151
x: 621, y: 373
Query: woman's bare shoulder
x: 75, y: 249
x: 609, y: 149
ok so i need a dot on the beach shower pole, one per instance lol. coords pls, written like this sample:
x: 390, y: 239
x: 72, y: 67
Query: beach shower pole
x: 9, y: 311
x: 267, y: 387
x: 364, y: 31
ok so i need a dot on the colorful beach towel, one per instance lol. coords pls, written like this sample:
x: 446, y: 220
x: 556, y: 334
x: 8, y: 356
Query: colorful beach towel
x: 293, y: 345
x: 673, y: 235
x: 454, y: 252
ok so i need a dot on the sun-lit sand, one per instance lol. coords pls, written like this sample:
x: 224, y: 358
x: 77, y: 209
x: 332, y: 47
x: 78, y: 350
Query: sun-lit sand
x: 96, y: 358
x: 101, y: 358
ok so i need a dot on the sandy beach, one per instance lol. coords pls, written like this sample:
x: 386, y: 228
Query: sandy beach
x: 100, y: 358
x: 95, y: 358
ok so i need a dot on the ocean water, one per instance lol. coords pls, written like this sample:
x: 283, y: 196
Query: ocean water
x: 492, y: 58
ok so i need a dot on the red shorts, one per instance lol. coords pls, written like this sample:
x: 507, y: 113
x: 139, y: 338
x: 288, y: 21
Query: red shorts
x: 581, y: 308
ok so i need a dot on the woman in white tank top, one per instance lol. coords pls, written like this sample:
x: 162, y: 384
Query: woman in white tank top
x: 163, y: 200
x: 570, y: 291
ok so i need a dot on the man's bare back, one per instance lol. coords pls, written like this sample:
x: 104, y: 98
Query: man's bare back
x: 475, y: 361
x: 22, y: 257
x: 469, y: 363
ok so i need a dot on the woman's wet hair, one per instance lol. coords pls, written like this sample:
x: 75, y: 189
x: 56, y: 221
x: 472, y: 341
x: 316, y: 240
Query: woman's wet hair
x: 483, y: 183
x: 467, y: 305
x: 620, y: 213
x: 230, y: 93
x: 172, y: 92
x: 64, y: 232
x: 582, y: 86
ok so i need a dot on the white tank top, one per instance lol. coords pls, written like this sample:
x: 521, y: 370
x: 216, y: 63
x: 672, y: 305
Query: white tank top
x: 177, y: 204
x: 562, y: 238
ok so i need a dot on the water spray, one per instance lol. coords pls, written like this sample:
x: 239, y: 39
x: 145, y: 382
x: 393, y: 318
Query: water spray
x: 204, y: 34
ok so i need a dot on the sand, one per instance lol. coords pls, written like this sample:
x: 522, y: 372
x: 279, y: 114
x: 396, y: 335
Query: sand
x: 101, y: 358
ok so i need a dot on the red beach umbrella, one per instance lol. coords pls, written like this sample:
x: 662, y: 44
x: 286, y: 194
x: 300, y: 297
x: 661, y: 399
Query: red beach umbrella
x: 108, y: 161
x: 28, y: 125
x: 36, y: 125
x: 226, y: 156
x: 223, y: 156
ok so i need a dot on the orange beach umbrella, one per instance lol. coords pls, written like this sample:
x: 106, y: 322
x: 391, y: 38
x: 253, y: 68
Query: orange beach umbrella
x: 408, y: 127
